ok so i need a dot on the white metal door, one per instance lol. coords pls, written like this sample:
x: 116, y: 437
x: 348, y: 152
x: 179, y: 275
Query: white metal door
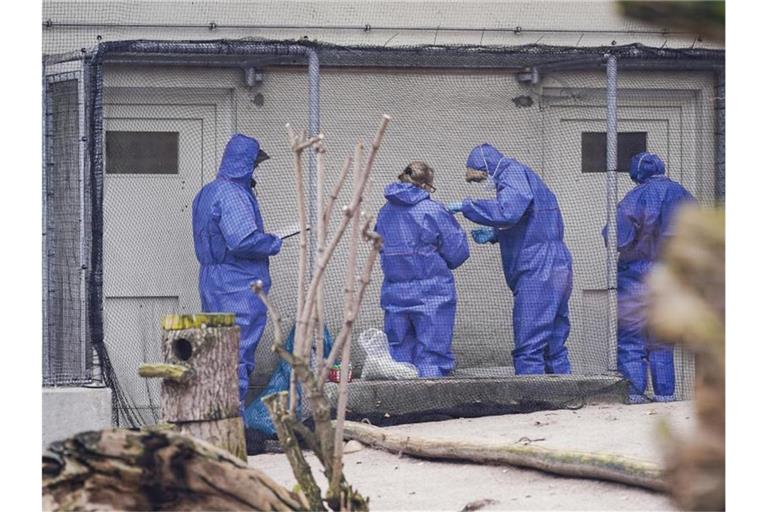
x: 582, y: 199
x: 149, y: 262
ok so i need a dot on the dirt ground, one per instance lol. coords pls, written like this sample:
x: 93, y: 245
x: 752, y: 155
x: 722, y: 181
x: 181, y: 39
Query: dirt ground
x: 406, y: 483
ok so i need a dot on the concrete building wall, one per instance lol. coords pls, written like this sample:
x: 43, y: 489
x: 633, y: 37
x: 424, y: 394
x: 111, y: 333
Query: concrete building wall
x: 76, y: 24
x: 67, y: 411
x: 438, y: 116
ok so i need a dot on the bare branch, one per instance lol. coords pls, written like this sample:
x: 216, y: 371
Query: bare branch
x: 346, y: 328
x: 319, y: 406
x: 375, y: 147
x: 276, y: 403
x: 258, y: 288
x: 337, y: 189
x: 348, y: 213
x: 306, y: 435
x: 324, y: 441
x: 321, y: 265
x: 366, y: 232
x: 316, y: 303
x: 349, y: 295
x: 385, y: 119
x: 291, y: 135
x: 301, y: 201
x: 307, y: 142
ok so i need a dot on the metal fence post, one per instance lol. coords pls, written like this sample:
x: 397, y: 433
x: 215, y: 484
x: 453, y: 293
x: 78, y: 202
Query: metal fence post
x: 47, y: 372
x: 611, y: 203
x: 720, y: 137
x: 82, y: 152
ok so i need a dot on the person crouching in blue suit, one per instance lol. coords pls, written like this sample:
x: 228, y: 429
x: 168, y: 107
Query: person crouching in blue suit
x: 232, y: 247
x: 422, y: 244
x: 525, y: 220
x: 643, y: 222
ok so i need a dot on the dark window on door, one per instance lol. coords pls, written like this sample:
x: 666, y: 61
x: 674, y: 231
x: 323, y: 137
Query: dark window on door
x: 142, y: 152
x: 593, y: 148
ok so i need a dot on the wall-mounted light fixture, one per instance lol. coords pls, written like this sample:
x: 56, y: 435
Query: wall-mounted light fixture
x: 529, y: 76
x: 253, y: 77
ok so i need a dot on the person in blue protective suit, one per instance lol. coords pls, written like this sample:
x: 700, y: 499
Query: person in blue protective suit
x: 423, y: 243
x: 232, y: 247
x: 643, y: 221
x: 525, y: 220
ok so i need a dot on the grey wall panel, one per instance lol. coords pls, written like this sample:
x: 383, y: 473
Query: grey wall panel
x: 74, y: 24
x: 134, y: 335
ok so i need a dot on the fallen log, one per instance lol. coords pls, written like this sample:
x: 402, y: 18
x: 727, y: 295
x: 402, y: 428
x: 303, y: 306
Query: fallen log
x: 601, y: 466
x: 154, y: 470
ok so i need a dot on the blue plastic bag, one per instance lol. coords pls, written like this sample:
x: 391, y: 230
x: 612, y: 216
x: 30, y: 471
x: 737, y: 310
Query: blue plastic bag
x: 256, y: 415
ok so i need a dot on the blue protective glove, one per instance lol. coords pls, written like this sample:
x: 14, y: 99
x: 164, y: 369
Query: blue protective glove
x: 455, y: 207
x: 483, y: 235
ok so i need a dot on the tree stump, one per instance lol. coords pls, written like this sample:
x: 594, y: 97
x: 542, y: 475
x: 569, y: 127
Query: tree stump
x: 199, y: 392
x: 154, y: 470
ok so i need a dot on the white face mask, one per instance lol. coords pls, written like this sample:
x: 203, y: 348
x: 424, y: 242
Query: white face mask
x: 490, y: 184
x: 485, y: 162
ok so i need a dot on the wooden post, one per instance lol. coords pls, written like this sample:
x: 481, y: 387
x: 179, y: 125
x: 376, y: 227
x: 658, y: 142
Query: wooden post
x: 199, y: 392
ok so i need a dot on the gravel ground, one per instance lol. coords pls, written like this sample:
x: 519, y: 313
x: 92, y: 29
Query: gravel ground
x: 406, y: 483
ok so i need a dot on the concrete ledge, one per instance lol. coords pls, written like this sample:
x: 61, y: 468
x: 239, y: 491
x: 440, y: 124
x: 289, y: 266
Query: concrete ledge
x: 67, y: 411
x: 472, y: 393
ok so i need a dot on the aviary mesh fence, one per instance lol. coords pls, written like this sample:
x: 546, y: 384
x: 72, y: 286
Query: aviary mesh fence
x: 63, y: 242
x: 136, y: 123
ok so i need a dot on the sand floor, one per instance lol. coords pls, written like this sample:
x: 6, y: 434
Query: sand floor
x: 407, y: 483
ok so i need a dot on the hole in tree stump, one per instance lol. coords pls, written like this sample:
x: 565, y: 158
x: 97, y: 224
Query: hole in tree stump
x: 182, y: 349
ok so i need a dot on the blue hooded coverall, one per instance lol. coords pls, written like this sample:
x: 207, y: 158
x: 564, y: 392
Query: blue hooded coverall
x: 537, y: 264
x: 643, y: 222
x: 422, y: 244
x: 233, y: 249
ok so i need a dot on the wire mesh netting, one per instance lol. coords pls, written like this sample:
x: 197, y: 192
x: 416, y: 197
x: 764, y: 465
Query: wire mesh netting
x: 137, y: 123
x: 64, y: 239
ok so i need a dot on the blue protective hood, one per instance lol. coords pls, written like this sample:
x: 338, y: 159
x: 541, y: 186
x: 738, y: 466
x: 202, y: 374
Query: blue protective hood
x: 484, y: 158
x: 645, y: 165
x: 239, y: 157
x: 404, y: 193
